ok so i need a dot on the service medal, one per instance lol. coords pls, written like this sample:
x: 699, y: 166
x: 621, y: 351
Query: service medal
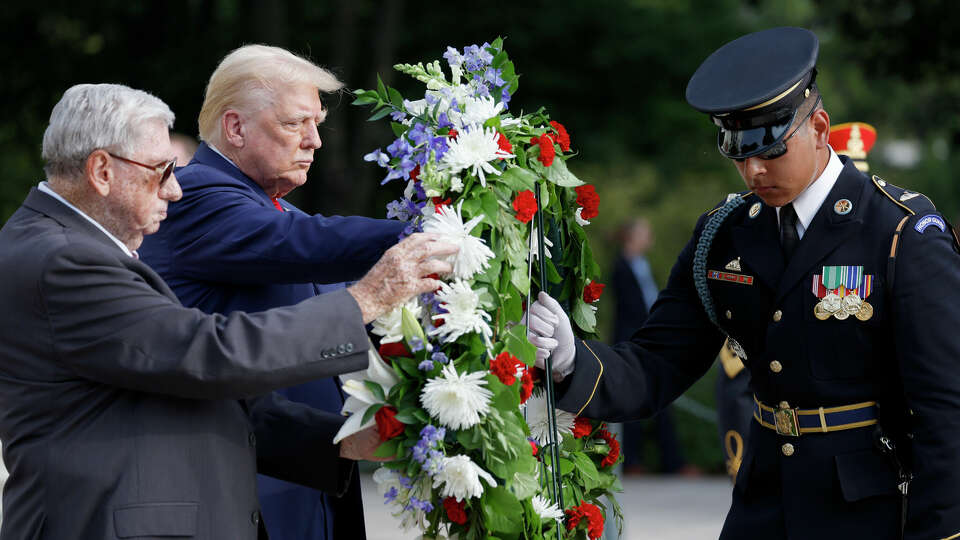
x: 851, y: 304
x: 866, y: 311
x: 820, y: 312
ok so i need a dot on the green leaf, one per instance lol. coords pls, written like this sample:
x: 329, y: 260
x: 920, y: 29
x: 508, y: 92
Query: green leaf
x: 502, y: 511
x: 497, y: 44
x: 406, y: 416
x: 520, y: 280
x: 585, y: 318
x: 566, y: 466
x: 512, y: 306
x: 421, y: 415
x: 395, y: 98
x: 376, y: 389
x: 490, y: 207
x: 371, y: 412
x: 398, y: 129
x: 470, y: 438
x: 380, y: 114
x: 586, y: 470
x: 381, y: 89
x: 557, y: 173
x: 524, y: 485
x: 388, y: 448
x: 505, y: 397
x: 517, y: 344
x: 518, y: 179
x: 365, y: 100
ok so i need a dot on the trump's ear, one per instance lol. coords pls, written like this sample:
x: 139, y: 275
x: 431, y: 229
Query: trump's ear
x: 232, y: 126
x: 99, y: 172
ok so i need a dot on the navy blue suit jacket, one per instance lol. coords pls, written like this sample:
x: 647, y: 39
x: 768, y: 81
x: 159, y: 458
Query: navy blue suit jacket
x: 224, y: 247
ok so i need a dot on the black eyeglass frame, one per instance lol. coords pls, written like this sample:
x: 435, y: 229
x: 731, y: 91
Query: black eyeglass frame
x: 165, y: 169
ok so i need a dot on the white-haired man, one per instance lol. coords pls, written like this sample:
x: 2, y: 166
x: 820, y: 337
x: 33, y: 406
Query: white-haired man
x: 233, y: 244
x: 120, y: 409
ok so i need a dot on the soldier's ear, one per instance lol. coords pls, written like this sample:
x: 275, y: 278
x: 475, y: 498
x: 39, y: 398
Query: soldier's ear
x: 821, y: 127
x: 99, y: 173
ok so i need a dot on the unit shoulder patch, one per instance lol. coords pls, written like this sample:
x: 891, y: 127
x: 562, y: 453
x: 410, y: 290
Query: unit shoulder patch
x: 912, y: 202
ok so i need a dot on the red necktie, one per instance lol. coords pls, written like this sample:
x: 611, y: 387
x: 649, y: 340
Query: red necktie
x: 277, y: 204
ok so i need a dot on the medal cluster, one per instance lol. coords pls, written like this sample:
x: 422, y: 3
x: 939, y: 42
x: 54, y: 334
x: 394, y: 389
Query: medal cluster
x: 842, y: 291
x: 842, y: 307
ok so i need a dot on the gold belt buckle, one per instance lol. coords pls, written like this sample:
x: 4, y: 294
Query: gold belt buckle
x: 786, y: 421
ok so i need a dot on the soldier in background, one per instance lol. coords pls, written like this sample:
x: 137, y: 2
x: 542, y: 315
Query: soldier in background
x: 734, y: 398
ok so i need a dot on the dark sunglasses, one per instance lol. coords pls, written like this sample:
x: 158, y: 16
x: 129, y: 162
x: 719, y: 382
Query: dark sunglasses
x: 780, y: 149
x: 163, y: 169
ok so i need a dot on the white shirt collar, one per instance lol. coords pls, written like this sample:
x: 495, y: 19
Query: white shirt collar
x: 811, y: 199
x: 44, y: 187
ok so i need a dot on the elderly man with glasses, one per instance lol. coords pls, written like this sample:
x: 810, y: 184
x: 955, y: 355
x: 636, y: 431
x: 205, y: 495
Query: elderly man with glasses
x: 122, y: 412
x: 840, y: 293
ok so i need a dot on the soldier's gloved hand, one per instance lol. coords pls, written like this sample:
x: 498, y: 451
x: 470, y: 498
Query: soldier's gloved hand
x: 549, y: 330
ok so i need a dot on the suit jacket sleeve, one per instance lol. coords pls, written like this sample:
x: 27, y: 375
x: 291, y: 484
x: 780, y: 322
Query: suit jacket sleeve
x: 926, y: 317
x: 294, y: 444
x: 224, y: 235
x: 109, y: 324
x: 637, y: 378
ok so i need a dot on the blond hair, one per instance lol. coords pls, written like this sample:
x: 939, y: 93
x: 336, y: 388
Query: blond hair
x: 247, y: 80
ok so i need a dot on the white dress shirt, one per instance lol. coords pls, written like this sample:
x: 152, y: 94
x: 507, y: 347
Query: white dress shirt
x: 811, y: 199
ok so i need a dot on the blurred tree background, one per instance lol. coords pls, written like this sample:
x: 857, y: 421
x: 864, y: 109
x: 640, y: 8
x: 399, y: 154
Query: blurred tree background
x: 613, y: 71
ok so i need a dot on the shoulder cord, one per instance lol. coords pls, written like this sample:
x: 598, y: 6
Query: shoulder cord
x: 700, y: 257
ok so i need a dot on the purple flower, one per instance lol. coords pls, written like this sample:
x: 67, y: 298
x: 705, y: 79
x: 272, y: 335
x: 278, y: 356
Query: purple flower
x: 505, y: 96
x: 439, y: 357
x: 398, y: 116
x: 420, y: 450
x: 426, y: 365
x: 443, y: 121
x: 476, y: 58
x: 399, y: 148
x: 416, y: 344
x: 393, y: 174
x: 439, y: 146
x: 453, y: 56
x: 492, y: 76
x: 382, y: 159
x: 406, y: 482
x: 399, y: 210
x: 431, y: 99
x: 418, y: 134
x: 390, y: 496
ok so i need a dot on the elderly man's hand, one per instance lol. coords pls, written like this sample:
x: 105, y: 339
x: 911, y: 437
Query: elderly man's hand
x: 402, y: 273
x: 361, y: 445
x: 549, y: 330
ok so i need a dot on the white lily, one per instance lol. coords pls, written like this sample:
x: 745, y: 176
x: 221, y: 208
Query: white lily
x: 360, y: 398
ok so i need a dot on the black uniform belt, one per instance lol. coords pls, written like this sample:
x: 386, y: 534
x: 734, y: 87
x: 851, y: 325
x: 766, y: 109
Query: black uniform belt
x: 795, y: 422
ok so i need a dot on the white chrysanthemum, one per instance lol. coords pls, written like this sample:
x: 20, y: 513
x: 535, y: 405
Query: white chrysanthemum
x: 388, y: 325
x: 476, y: 111
x: 474, y: 149
x: 464, y: 314
x: 582, y: 222
x: 474, y: 255
x: 360, y: 398
x: 457, y: 401
x: 535, y: 247
x: 538, y: 420
x: 546, y: 509
x: 460, y: 478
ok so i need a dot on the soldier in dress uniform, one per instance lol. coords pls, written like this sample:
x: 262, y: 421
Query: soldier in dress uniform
x: 734, y: 397
x: 844, y: 308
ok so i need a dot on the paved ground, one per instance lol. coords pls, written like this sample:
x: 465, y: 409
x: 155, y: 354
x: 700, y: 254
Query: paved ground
x: 655, y: 508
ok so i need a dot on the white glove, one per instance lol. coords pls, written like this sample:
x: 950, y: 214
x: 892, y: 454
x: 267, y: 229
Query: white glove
x: 550, y: 332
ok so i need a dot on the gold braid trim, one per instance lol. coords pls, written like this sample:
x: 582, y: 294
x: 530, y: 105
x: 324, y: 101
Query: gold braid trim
x: 595, y: 384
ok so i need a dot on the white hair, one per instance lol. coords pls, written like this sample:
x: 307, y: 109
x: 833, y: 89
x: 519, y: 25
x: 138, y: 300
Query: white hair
x: 248, y: 78
x: 97, y: 116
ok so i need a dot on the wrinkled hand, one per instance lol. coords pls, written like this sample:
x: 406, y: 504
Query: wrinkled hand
x: 401, y: 273
x: 361, y: 445
x: 549, y: 330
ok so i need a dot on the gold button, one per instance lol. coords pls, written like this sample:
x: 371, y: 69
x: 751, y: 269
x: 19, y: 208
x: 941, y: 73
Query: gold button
x: 787, y: 449
x: 776, y: 366
x: 729, y: 314
x: 784, y: 405
x: 777, y: 315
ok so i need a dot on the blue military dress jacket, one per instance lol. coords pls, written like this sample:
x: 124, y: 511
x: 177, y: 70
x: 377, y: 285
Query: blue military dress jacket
x: 901, y: 353
x: 225, y: 247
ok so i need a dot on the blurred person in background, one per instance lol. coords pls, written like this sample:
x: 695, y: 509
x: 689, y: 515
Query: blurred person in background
x: 635, y: 291
x: 184, y: 146
x: 233, y: 243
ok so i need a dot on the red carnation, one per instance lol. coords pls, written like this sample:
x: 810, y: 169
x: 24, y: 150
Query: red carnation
x: 526, y: 386
x: 587, y: 198
x: 592, y: 291
x: 388, y: 426
x: 455, y: 510
x: 526, y: 206
x: 438, y: 202
x: 547, y: 152
x: 393, y: 349
x: 562, y: 138
x: 504, y: 366
x: 614, y: 445
x: 415, y: 174
x: 453, y: 134
x: 581, y: 427
x: 504, y: 143
x: 533, y: 447
x: 591, y: 513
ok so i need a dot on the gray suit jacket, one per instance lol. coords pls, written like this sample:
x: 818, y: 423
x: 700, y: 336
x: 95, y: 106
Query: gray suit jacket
x: 119, y: 408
